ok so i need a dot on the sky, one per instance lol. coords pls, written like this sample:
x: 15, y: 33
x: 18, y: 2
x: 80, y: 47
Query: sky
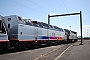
x: 39, y: 9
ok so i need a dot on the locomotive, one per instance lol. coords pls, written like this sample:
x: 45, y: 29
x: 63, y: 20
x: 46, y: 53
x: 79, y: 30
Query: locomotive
x: 3, y: 35
x: 71, y: 36
x: 25, y: 33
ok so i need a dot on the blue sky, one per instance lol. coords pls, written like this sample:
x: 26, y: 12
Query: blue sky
x: 39, y: 9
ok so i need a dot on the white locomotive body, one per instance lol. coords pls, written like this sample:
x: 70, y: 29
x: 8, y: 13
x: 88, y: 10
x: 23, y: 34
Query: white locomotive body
x: 27, y: 31
x: 24, y: 33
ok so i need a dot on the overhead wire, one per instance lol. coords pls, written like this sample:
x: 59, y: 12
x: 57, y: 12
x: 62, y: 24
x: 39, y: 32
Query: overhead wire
x: 45, y: 8
x: 64, y: 6
x: 26, y: 6
x: 39, y: 5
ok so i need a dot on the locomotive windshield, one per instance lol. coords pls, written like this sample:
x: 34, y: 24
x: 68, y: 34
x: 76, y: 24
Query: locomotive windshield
x: 2, y: 28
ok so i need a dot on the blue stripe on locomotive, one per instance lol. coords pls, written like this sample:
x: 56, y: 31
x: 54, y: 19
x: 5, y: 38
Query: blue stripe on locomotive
x: 45, y: 37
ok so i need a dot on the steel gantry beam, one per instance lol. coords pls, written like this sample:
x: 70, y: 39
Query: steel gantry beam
x: 80, y: 13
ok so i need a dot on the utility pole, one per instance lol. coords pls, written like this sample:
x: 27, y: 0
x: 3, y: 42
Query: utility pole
x: 87, y: 33
x: 70, y: 27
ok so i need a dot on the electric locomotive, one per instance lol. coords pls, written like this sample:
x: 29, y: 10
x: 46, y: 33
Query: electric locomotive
x: 26, y: 32
x: 21, y: 33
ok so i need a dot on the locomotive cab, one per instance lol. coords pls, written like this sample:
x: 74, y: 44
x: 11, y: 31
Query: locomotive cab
x: 3, y: 35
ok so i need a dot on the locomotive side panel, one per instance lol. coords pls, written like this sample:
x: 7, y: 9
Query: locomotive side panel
x: 63, y: 36
x: 26, y: 32
x: 43, y: 34
x: 52, y: 35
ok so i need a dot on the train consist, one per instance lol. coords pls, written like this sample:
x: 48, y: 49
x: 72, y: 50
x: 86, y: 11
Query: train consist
x: 24, y: 33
